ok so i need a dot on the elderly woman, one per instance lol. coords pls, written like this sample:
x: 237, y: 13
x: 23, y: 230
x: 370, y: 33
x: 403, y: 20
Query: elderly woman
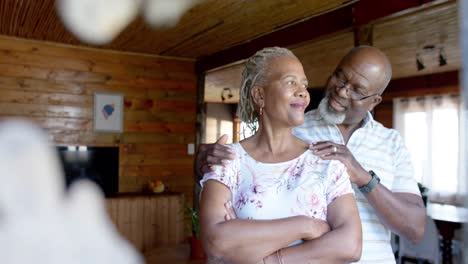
x: 277, y: 202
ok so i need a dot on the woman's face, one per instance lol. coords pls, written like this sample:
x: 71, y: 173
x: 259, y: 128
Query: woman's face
x: 285, y: 92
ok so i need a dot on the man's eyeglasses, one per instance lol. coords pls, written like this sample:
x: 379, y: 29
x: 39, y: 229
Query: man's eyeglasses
x: 341, y: 82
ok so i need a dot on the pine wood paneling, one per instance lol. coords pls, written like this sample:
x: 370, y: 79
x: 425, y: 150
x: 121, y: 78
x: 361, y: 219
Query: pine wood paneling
x: 210, y: 26
x: 157, y: 116
x: 50, y: 111
x: 53, y: 86
x: 320, y: 57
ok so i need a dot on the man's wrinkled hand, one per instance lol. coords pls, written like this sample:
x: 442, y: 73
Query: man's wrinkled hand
x: 212, y: 154
x: 328, y: 150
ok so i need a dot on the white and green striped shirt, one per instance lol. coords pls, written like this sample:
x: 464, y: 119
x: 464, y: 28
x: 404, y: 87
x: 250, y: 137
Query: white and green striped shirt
x: 376, y: 148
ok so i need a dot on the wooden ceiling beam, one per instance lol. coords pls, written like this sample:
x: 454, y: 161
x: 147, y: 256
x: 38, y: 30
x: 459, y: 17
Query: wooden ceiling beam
x: 349, y: 17
x: 366, y: 11
x: 442, y: 79
x: 436, y: 83
x: 309, y: 29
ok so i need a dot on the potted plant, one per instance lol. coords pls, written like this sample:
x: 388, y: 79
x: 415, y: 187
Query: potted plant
x: 196, y: 247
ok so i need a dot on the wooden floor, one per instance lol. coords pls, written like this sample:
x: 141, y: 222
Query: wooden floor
x: 173, y: 255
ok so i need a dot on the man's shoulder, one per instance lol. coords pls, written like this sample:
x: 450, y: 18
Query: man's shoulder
x: 312, y: 114
x: 386, y: 137
x: 313, y: 129
x: 313, y: 123
x: 312, y: 118
x: 380, y: 129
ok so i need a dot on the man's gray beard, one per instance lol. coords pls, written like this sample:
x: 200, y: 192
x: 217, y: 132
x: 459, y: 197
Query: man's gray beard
x: 328, y: 114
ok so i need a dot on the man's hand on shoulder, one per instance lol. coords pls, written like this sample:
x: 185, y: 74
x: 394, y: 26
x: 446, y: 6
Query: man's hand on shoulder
x: 212, y: 154
x: 328, y: 150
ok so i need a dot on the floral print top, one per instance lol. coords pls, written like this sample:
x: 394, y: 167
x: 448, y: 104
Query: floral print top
x: 305, y: 185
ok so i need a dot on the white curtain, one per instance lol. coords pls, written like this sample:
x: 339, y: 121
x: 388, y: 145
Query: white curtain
x: 431, y: 128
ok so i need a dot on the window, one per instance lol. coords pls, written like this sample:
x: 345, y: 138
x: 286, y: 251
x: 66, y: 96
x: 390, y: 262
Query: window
x: 430, y: 128
x: 245, y: 131
x: 218, y: 122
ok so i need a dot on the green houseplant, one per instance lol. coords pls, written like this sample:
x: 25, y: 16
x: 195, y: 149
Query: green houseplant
x: 195, y: 222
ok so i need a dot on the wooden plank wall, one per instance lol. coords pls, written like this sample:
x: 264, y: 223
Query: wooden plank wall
x: 151, y: 221
x: 210, y: 26
x: 320, y: 56
x: 53, y: 85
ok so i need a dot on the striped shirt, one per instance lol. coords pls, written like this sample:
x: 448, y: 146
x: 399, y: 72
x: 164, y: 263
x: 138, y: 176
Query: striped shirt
x: 376, y: 148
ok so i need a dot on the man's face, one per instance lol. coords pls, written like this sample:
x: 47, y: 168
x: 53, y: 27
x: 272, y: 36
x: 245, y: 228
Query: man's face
x: 351, y: 91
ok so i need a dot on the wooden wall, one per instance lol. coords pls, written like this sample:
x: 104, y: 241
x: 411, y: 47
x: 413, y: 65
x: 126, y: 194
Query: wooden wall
x: 208, y: 27
x: 320, y: 57
x: 149, y: 222
x: 53, y: 85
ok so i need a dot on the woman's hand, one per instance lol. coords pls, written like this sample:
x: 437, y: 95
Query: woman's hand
x: 230, y: 213
x: 314, y: 228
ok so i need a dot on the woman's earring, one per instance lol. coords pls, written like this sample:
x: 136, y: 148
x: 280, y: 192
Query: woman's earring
x: 261, y: 111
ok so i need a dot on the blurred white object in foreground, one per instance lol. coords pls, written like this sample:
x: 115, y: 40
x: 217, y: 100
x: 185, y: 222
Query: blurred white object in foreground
x: 97, y: 21
x: 39, y: 222
x: 100, y: 21
x: 162, y: 13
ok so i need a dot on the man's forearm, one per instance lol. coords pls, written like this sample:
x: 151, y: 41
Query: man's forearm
x: 403, y: 213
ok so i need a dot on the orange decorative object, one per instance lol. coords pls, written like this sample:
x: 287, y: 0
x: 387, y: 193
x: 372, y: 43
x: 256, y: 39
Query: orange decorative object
x: 156, y: 186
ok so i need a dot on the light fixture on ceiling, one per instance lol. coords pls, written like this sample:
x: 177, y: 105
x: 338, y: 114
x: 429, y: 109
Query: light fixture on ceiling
x: 419, y: 62
x: 229, y: 94
x: 442, y: 57
x: 430, y: 49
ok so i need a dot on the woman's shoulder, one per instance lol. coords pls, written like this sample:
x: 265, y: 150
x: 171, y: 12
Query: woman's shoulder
x: 236, y: 147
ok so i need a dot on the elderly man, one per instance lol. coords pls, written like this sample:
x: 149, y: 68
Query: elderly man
x: 376, y: 159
